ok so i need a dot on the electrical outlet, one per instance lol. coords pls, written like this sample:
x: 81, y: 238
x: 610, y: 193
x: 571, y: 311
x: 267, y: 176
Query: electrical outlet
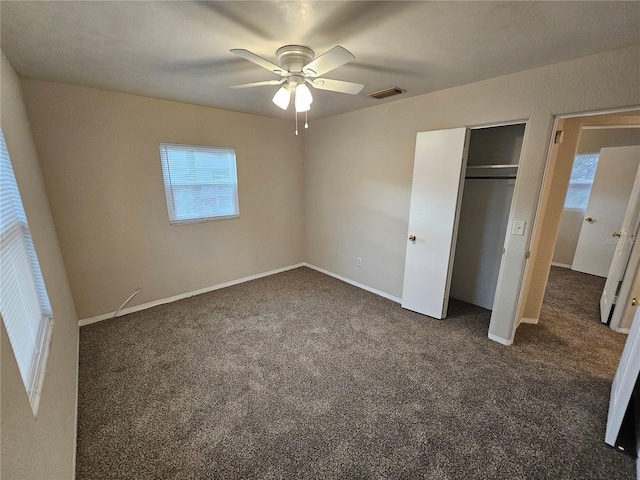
x: 358, y: 261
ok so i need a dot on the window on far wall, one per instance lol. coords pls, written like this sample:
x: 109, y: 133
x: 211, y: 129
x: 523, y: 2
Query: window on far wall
x: 24, y: 303
x: 200, y: 183
x: 582, y: 175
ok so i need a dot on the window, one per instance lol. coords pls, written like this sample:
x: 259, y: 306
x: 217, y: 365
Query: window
x: 200, y: 183
x: 582, y: 175
x: 24, y: 303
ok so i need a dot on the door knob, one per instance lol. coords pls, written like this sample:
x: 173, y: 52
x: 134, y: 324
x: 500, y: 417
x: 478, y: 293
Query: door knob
x: 616, y: 234
x: 588, y: 219
x: 412, y: 238
x: 634, y: 302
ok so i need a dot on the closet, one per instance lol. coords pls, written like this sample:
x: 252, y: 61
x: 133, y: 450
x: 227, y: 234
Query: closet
x: 487, y: 192
x: 461, y: 195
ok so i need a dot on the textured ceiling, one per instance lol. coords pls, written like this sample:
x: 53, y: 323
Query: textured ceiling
x: 180, y: 50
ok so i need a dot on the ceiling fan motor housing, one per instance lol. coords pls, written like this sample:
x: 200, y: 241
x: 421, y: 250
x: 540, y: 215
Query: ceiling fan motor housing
x: 293, y: 58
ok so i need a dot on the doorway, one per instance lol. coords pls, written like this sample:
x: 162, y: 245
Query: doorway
x: 604, y: 168
x: 551, y: 208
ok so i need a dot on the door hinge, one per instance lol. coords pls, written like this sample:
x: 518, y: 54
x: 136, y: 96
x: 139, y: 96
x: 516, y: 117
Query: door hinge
x: 615, y: 299
x: 559, y: 136
x: 527, y: 255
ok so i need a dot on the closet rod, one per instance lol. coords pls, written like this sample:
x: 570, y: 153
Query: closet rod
x: 494, y: 177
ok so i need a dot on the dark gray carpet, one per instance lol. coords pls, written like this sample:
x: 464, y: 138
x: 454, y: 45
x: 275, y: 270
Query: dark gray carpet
x: 299, y: 375
x: 574, y: 293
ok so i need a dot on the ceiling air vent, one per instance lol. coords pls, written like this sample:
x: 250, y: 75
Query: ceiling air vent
x: 387, y: 92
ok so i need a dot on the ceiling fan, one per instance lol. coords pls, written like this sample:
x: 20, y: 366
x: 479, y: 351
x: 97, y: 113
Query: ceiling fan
x: 299, y: 68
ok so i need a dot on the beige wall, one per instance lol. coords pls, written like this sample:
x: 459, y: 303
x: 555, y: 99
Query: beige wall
x: 42, y: 448
x: 358, y: 165
x: 568, y: 234
x: 101, y: 164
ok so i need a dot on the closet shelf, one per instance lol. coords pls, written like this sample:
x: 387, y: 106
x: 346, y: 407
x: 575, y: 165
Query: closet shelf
x: 491, y: 177
x: 491, y: 172
x: 478, y: 167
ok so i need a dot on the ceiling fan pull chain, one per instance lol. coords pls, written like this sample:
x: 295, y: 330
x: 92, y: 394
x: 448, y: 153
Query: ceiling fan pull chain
x: 306, y: 123
x: 296, y: 122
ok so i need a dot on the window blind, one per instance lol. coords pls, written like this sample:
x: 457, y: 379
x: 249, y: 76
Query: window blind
x: 582, y: 176
x: 24, y: 303
x: 200, y: 183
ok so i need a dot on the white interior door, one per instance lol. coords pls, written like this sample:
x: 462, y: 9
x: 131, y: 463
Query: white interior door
x: 624, y: 381
x: 436, y: 195
x: 625, y: 308
x: 610, y: 194
x: 628, y: 236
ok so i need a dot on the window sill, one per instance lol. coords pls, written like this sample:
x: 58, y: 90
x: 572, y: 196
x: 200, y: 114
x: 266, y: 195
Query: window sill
x: 202, y: 220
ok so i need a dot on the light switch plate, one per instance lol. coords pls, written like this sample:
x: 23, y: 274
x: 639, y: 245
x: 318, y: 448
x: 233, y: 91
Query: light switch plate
x: 518, y: 227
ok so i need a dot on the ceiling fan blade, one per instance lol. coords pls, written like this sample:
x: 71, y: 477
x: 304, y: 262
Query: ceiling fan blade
x: 259, y: 84
x: 334, y: 58
x: 258, y: 60
x: 336, y: 85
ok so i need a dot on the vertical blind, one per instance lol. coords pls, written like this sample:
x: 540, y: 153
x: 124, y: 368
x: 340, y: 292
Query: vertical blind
x: 24, y: 303
x: 200, y: 183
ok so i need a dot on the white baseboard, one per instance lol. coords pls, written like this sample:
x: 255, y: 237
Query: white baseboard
x: 530, y: 321
x: 562, y: 265
x: 354, y: 283
x: 144, y: 306
x: 622, y: 330
x: 75, y: 420
x: 501, y: 340
x: 493, y: 337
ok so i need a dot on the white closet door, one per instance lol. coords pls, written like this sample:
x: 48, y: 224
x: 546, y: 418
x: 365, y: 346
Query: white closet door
x: 436, y: 195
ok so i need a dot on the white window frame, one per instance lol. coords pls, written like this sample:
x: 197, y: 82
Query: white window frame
x: 177, y: 217
x: 24, y: 303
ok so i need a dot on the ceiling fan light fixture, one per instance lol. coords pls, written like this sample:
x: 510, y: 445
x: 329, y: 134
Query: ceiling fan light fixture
x: 299, y: 67
x: 282, y: 97
x: 303, y: 98
x: 305, y: 107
